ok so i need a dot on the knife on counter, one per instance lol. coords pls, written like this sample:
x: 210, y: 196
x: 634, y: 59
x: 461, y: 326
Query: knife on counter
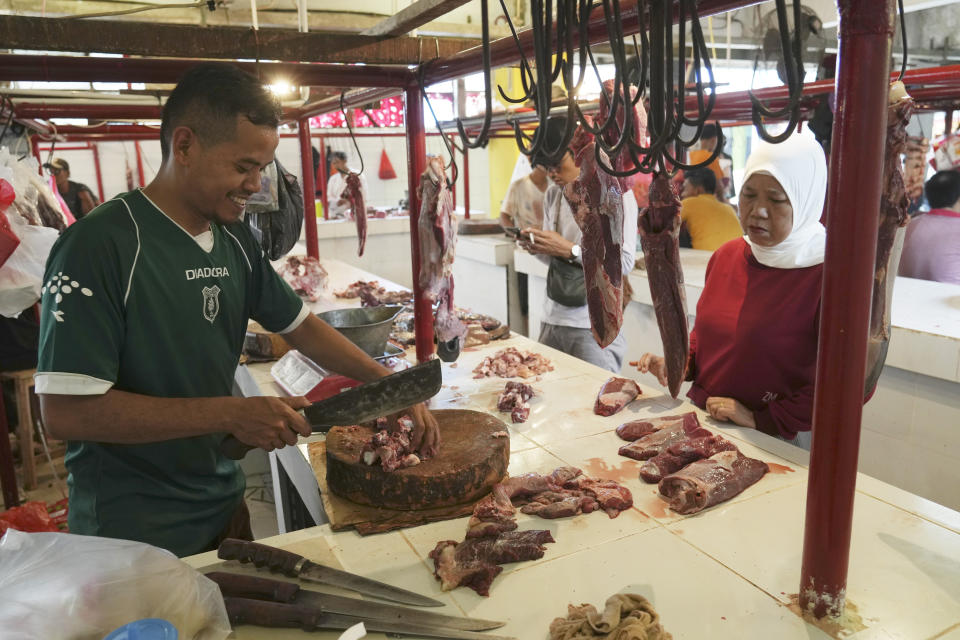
x: 243, y: 586
x: 294, y: 565
x: 277, y: 614
x: 363, y: 403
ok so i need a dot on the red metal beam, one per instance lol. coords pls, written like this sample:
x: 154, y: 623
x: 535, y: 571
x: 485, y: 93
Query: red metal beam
x: 168, y: 71
x: 356, y: 98
x: 86, y: 110
x: 416, y: 165
x: 309, y: 190
x: 866, y: 36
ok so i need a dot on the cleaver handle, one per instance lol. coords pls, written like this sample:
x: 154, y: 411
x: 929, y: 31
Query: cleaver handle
x: 260, y: 555
x: 242, y: 586
x: 272, y: 614
x: 233, y: 448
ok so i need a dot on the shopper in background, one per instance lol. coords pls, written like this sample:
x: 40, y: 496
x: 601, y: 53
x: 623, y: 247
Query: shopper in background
x: 337, y: 203
x: 78, y: 196
x: 931, y: 250
x: 708, y: 142
x: 522, y: 208
x: 709, y: 222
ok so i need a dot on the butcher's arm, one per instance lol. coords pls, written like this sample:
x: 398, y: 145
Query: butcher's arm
x: 121, y: 417
x: 787, y: 416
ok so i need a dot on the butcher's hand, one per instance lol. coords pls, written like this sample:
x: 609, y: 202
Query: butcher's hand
x: 654, y: 365
x: 549, y: 243
x: 426, y: 432
x: 730, y: 410
x: 268, y: 422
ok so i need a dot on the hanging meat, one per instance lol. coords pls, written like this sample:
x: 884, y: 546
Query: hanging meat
x: 659, y: 227
x: 437, y: 231
x: 890, y: 234
x: 597, y: 204
x: 354, y: 194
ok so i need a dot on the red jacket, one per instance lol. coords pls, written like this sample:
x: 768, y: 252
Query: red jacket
x: 755, y: 338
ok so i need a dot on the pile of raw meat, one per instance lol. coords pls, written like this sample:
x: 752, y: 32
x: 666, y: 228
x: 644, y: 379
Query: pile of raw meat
x: 513, y: 363
x: 614, y: 395
x: 492, y: 538
x: 305, y: 275
x: 696, y: 469
x: 392, y: 449
x: 514, y: 398
x: 371, y: 294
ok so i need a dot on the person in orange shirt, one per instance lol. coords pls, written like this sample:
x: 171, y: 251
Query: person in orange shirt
x: 709, y: 222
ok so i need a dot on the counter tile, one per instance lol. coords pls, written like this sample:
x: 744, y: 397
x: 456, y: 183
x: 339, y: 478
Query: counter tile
x: 904, y: 571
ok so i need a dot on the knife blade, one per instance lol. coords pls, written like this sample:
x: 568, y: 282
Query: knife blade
x: 244, y: 586
x: 295, y: 565
x: 277, y: 614
x: 363, y: 403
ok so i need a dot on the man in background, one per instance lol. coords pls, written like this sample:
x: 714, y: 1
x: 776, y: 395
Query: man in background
x: 337, y: 203
x: 931, y: 250
x: 522, y: 208
x: 709, y: 222
x: 78, y: 196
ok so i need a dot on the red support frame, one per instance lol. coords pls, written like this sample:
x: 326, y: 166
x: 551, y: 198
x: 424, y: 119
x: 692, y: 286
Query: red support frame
x: 416, y: 165
x: 309, y: 190
x: 866, y: 36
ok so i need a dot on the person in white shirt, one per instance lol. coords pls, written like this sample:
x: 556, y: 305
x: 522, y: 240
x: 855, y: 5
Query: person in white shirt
x: 568, y: 328
x: 337, y: 203
x: 523, y: 207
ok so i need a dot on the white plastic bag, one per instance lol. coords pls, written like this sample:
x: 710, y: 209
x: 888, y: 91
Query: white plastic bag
x: 61, y: 586
x: 21, y: 276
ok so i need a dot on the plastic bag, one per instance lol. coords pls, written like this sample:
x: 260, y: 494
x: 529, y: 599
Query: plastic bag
x: 70, y: 587
x: 276, y: 214
x: 30, y: 517
x: 386, y: 168
x: 8, y: 239
x: 21, y: 276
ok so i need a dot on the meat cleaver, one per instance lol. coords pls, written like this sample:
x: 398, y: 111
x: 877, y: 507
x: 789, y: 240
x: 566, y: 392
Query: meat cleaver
x: 363, y: 403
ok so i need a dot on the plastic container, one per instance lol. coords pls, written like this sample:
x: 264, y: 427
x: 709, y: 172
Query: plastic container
x: 146, y: 629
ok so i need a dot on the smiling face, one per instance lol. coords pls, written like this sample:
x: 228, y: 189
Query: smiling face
x: 766, y: 214
x: 219, y: 178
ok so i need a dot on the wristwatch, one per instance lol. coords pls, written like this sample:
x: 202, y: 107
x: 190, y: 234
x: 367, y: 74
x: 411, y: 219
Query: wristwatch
x: 575, y: 251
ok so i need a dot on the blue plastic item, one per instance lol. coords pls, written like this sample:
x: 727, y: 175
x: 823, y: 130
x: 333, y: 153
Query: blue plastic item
x: 146, y: 629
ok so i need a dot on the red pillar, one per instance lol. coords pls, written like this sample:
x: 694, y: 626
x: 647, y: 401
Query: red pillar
x: 416, y: 165
x: 136, y: 145
x: 322, y: 177
x: 309, y: 195
x: 466, y: 182
x: 96, y: 166
x: 859, y: 132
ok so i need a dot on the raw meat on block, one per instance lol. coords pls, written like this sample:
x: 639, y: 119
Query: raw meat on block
x: 659, y: 228
x: 636, y: 429
x: 393, y: 449
x: 475, y: 562
x: 595, y: 198
x: 659, y: 441
x: 707, y: 482
x: 615, y: 394
x: 358, y: 206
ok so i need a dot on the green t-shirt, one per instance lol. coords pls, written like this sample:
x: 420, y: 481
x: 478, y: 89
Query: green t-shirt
x: 131, y: 300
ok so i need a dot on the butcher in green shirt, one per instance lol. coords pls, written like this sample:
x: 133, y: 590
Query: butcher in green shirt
x: 145, y: 306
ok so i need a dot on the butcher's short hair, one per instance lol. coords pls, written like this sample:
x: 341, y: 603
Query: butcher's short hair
x: 338, y: 155
x: 943, y: 189
x: 702, y: 177
x: 208, y: 99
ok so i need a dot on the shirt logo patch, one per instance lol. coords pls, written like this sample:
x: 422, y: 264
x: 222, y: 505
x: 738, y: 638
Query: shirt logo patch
x: 769, y: 397
x: 206, y: 272
x: 61, y: 286
x: 211, y: 302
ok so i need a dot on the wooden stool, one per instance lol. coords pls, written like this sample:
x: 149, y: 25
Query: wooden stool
x: 23, y: 382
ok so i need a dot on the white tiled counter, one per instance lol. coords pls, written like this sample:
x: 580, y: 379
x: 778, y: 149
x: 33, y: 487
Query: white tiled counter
x: 728, y: 572
x: 913, y: 417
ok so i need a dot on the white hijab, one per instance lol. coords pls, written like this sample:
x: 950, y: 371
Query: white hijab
x: 799, y: 166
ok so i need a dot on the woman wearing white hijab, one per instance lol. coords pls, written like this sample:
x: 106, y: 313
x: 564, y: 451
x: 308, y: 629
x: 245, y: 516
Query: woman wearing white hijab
x: 753, y: 350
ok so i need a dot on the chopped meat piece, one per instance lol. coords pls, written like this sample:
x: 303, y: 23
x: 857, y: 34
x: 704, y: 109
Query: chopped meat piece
x: 469, y: 317
x: 393, y: 450
x: 659, y: 228
x: 474, y: 562
x: 560, y: 504
x: 659, y: 441
x: 612, y: 496
x: 358, y: 208
x: 305, y: 275
x: 636, y: 429
x: 499, y: 434
x: 681, y: 454
x: 513, y: 363
x: 353, y: 290
x: 707, y: 482
x: 615, y: 394
x: 514, y: 399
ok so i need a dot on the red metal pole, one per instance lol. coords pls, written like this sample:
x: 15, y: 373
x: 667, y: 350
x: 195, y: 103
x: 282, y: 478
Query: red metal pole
x: 322, y: 177
x: 96, y: 166
x: 416, y: 165
x: 859, y: 134
x: 309, y: 190
x: 466, y: 182
x: 136, y: 145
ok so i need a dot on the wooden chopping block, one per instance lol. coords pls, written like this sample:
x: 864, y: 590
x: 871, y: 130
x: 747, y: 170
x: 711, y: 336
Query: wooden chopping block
x: 260, y: 344
x: 470, y: 462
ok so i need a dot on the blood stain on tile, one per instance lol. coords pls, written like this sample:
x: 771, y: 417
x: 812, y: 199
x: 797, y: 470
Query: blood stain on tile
x: 779, y: 469
x: 599, y: 469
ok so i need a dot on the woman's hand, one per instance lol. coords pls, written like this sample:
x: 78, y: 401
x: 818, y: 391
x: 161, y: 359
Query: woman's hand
x: 652, y: 364
x: 730, y: 410
x: 548, y: 243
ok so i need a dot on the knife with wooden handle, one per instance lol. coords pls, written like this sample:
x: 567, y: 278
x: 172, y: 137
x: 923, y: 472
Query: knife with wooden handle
x: 292, y: 564
x: 244, y: 586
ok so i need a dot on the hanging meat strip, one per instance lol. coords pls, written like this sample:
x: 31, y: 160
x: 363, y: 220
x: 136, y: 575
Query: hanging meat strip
x: 893, y: 221
x: 597, y: 205
x: 659, y: 232
x: 358, y: 206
